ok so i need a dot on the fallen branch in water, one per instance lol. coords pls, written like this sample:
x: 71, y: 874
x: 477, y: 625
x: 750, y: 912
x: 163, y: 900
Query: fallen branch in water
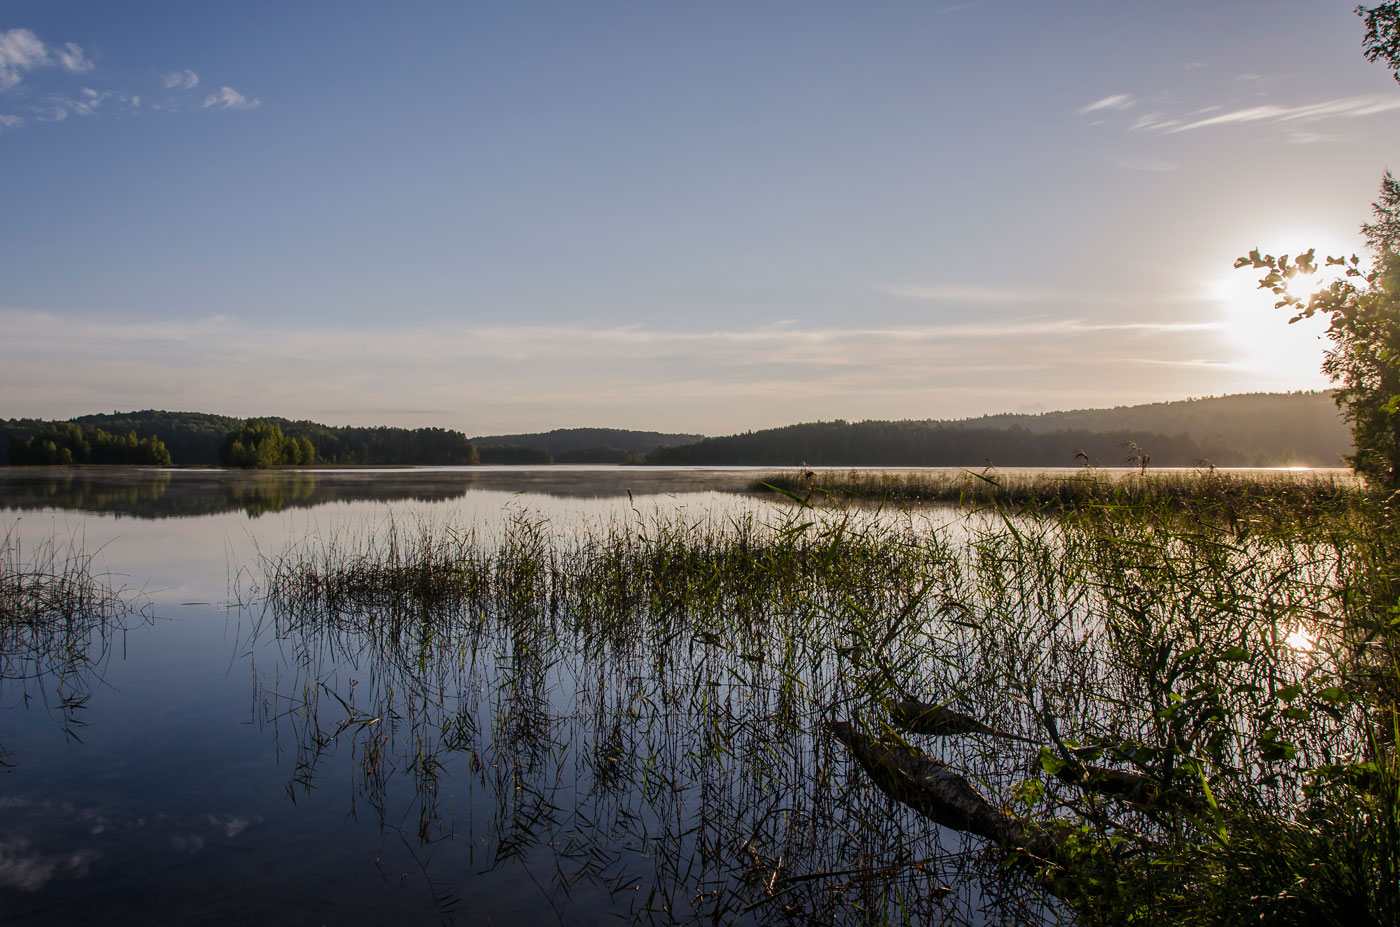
x: 928, y: 786
x: 1135, y: 788
x: 916, y: 717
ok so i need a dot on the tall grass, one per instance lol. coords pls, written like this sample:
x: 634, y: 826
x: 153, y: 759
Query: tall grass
x: 58, y: 619
x: 1209, y: 491
x: 672, y: 679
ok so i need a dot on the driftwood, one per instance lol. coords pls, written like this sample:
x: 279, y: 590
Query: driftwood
x: 928, y: 786
x: 916, y: 717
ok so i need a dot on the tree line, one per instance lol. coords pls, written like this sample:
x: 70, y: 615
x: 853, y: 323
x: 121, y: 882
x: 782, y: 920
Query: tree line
x: 60, y: 443
x: 1264, y: 428
x: 923, y: 444
x: 1244, y: 430
x: 200, y: 439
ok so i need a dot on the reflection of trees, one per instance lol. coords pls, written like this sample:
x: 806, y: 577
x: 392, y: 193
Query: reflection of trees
x: 187, y: 493
x: 626, y: 729
x: 72, y: 489
x: 184, y: 494
x: 57, y: 623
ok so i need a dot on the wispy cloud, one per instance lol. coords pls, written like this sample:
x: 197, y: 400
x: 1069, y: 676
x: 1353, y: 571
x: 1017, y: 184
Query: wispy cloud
x: 72, y: 58
x: 31, y: 99
x: 1117, y: 101
x: 20, y: 52
x: 536, y: 374
x: 87, y: 102
x: 1148, y: 122
x: 1344, y: 108
x: 228, y: 98
x: 1204, y: 117
x: 1302, y: 137
x: 181, y: 80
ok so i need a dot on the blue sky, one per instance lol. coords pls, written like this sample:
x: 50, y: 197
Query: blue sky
x: 675, y: 216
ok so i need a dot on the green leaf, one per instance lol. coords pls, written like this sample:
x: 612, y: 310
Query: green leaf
x: 1274, y: 748
x: 1028, y: 792
x: 1333, y: 695
x: 1049, y: 762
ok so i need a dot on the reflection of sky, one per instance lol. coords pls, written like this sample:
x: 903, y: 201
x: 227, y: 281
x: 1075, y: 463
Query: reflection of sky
x: 178, y: 560
x: 179, y: 788
x: 184, y: 797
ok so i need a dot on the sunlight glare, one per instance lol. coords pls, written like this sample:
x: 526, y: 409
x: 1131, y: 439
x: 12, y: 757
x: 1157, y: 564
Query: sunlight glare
x: 1258, y: 337
x: 1301, y: 639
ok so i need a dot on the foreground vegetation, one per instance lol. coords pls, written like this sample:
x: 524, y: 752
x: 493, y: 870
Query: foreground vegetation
x: 1145, y: 712
x: 58, y: 618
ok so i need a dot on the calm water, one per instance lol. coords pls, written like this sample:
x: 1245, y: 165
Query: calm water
x: 211, y: 760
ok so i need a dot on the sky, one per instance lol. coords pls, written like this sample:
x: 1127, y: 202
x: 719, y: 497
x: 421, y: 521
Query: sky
x: 684, y: 217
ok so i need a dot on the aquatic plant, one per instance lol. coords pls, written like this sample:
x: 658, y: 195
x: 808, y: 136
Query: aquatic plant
x: 58, y: 619
x: 1173, y: 702
x: 1206, y: 490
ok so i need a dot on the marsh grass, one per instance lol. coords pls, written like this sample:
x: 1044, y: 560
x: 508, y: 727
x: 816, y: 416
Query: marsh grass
x: 650, y: 697
x: 1216, y: 493
x: 59, y: 618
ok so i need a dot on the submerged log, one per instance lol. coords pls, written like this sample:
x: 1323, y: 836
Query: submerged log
x: 1136, y: 788
x: 928, y: 786
x: 916, y: 717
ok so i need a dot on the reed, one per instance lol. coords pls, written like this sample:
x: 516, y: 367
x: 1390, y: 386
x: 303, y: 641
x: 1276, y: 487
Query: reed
x: 1215, y: 492
x: 58, y: 618
x: 1179, y: 701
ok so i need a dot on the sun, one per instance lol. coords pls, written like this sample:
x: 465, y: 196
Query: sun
x: 1256, y: 336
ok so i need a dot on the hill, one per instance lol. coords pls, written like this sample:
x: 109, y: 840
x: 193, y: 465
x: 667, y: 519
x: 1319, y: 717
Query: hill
x: 577, y: 445
x: 1306, y: 426
x: 1261, y: 429
x: 1253, y: 429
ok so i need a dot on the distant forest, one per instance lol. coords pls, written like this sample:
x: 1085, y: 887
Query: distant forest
x: 1256, y: 429
x: 196, y: 439
x: 576, y: 446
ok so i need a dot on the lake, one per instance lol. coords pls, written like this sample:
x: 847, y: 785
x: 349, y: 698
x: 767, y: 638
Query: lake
x: 589, y: 695
x: 212, y: 756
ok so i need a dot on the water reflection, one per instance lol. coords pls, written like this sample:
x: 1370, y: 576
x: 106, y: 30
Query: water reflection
x: 153, y: 494
x: 1301, y: 639
x: 59, y: 621
x: 661, y: 755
